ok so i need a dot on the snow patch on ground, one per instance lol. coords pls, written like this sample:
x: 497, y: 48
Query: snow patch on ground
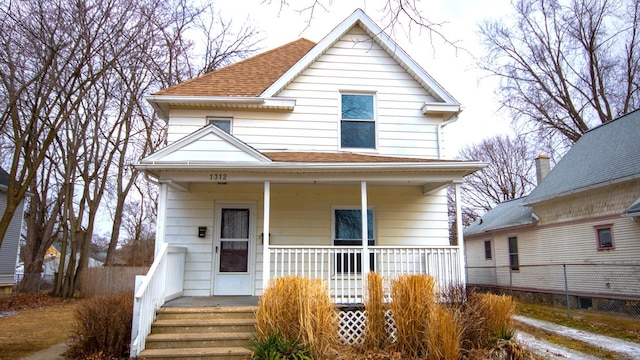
x: 549, y: 350
x: 626, y: 348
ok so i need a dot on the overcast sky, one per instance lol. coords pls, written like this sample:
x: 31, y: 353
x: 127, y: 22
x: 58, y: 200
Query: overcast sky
x: 454, y: 70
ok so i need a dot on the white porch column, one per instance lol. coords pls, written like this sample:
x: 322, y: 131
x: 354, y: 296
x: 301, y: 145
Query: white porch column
x: 365, y: 231
x: 463, y: 275
x: 161, y: 217
x: 266, y: 256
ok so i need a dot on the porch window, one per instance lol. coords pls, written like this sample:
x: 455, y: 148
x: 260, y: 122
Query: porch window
x: 604, y: 234
x: 357, y: 125
x: 348, y: 232
x: 222, y: 123
x: 514, y: 260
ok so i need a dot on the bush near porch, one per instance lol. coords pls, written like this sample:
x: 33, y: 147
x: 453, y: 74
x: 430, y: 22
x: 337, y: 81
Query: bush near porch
x: 426, y: 323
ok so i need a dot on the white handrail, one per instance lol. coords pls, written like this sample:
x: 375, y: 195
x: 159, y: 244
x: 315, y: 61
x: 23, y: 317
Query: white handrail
x: 164, y: 281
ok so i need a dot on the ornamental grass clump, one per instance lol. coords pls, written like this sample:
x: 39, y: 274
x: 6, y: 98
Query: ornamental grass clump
x: 299, y: 310
x: 376, y: 337
x: 413, y: 305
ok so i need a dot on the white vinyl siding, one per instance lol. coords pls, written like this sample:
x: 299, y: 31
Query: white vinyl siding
x: 9, y: 248
x: 300, y: 215
x: 353, y: 64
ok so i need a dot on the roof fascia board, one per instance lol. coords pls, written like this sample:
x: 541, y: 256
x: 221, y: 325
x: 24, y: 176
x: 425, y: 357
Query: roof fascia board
x: 149, y: 164
x: 156, y: 102
x: 393, y: 49
x: 196, y: 135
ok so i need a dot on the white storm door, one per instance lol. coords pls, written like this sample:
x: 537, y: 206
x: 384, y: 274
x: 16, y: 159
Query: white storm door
x: 233, y: 246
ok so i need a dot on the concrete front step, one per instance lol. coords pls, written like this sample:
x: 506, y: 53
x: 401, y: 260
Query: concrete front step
x: 234, y: 312
x: 218, y: 353
x: 198, y: 340
x: 199, y: 326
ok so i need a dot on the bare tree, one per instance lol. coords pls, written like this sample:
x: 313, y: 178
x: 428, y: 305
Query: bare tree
x: 406, y: 14
x: 510, y: 173
x: 565, y: 66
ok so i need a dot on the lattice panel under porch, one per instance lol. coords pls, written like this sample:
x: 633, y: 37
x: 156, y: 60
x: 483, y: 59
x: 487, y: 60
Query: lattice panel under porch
x: 353, y: 326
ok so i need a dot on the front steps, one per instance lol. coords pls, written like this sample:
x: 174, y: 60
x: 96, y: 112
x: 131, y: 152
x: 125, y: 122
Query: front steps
x: 206, y: 333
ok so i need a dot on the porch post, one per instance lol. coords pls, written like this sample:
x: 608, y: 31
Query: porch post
x: 463, y: 276
x: 161, y: 215
x: 266, y: 256
x: 365, y: 231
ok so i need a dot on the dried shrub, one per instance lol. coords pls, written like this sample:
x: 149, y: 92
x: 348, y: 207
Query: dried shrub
x: 376, y: 336
x: 301, y: 311
x: 413, y: 304
x: 102, y: 328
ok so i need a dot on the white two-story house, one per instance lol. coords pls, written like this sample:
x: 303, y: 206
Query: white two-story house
x: 321, y: 160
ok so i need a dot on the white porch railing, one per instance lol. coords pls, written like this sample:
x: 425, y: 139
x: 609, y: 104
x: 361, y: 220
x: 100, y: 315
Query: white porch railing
x: 340, y: 267
x: 163, y: 282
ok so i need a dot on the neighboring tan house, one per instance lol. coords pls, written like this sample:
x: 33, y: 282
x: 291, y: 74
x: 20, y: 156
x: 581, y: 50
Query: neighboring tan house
x: 271, y: 161
x: 584, y: 216
x: 11, y: 242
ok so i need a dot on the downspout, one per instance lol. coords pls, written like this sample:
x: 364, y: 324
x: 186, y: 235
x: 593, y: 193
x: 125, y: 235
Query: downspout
x: 160, y: 220
x: 451, y: 120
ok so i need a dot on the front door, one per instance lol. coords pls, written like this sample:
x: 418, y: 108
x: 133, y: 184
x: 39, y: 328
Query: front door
x: 233, y: 246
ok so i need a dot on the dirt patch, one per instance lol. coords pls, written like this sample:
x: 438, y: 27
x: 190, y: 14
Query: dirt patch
x: 38, y: 322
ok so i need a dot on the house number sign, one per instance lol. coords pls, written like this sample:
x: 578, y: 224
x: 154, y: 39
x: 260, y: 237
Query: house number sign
x: 219, y: 177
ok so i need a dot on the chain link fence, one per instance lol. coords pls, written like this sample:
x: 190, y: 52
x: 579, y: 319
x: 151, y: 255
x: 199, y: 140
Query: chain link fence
x: 34, y: 283
x: 598, y: 286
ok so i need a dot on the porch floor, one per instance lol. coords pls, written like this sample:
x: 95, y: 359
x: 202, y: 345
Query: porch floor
x: 213, y: 301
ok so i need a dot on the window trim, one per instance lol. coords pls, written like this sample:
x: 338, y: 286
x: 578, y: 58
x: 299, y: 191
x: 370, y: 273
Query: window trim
x: 513, y: 267
x: 488, y: 250
x: 371, y: 242
x: 221, y: 118
x: 597, y: 229
x: 374, y: 120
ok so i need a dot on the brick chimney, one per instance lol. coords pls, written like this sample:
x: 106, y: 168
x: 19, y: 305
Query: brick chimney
x: 543, y: 166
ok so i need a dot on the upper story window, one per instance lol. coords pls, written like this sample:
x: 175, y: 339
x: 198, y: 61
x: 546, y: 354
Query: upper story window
x: 222, y: 123
x: 357, y: 124
x: 604, y: 235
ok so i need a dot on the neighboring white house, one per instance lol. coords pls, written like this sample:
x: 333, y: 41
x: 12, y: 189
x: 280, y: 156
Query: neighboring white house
x: 10, y: 244
x: 584, y: 214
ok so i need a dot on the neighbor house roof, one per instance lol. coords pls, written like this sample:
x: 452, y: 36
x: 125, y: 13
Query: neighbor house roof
x: 505, y: 215
x: 634, y: 209
x: 605, y: 155
x: 249, y: 77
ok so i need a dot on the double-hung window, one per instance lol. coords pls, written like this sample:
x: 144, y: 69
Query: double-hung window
x: 222, y: 123
x: 487, y: 249
x: 357, y: 124
x: 348, y: 232
x: 514, y: 260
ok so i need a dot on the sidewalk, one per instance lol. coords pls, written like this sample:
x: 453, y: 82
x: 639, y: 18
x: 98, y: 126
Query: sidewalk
x: 627, y: 348
x: 53, y: 353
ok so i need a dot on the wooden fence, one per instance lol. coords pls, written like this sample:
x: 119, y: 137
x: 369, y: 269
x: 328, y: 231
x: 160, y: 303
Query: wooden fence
x: 109, y: 280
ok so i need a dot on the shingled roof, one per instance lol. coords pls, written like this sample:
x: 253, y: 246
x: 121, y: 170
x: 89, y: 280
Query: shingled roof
x: 343, y: 157
x: 249, y: 77
x: 4, y: 177
x: 604, y: 155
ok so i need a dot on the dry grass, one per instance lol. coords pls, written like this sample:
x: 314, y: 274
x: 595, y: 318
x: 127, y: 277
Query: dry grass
x: 36, y: 329
x: 444, y: 335
x: 300, y: 309
x: 498, y: 312
x: 413, y: 305
x: 376, y: 337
